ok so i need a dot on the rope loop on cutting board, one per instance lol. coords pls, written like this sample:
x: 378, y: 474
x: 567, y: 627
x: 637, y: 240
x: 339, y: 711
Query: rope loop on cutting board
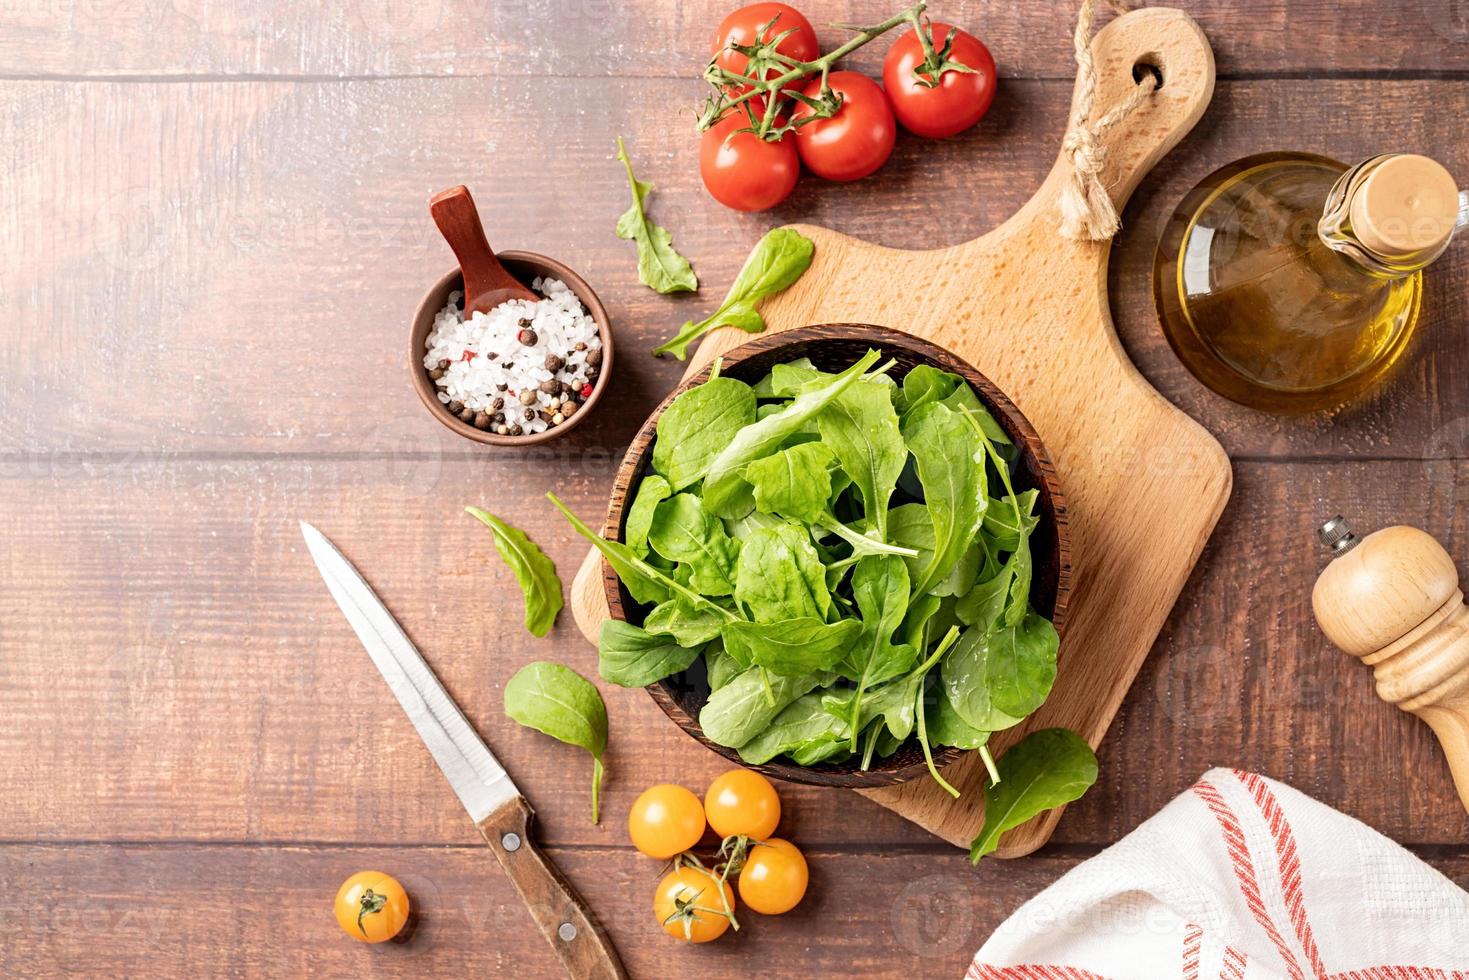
x: 1087, y: 212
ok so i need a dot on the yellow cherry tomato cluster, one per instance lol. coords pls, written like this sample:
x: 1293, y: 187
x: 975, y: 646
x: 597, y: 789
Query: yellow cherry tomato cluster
x: 694, y: 901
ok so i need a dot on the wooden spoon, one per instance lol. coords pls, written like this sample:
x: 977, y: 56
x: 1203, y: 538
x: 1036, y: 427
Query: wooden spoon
x: 487, y: 283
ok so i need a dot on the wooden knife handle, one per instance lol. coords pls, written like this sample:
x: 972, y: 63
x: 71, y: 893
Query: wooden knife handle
x: 563, y: 918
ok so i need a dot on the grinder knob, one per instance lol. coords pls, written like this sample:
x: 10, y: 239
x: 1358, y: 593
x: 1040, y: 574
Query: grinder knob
x: 1393, y: 600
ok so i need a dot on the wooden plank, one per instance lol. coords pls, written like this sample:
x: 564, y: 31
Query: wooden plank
x: 185, y: 198
x: 266, y: 912
x: 644, y: 38
x: 172, y: 668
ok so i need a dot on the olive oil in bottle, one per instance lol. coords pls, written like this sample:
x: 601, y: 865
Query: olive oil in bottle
x: 1289, y: 282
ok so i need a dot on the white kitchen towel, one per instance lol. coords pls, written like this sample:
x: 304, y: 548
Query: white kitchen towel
x: 1240, y: 877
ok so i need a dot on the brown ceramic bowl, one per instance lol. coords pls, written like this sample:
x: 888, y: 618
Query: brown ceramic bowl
x: 525, y: 266
x: 833, y: 347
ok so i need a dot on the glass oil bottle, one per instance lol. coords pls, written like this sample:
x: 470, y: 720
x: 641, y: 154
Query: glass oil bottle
x: 1290, y: 282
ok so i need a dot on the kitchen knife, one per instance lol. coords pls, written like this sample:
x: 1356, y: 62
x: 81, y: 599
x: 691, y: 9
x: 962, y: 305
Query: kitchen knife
x: 497, y: 808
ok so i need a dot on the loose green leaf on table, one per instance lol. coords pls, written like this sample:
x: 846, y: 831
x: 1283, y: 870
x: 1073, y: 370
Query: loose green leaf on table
x: 631, y: 657
x: 557, y: 701
x: 776, y: 262
x: 1046, y: 769
x: 532, y: 569
x: 660, y: 267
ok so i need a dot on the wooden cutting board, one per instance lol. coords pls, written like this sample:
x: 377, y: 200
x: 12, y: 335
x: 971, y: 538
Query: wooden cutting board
x: 1144, y: 483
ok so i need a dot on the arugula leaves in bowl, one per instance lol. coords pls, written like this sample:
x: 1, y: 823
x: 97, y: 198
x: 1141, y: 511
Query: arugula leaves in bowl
x: 839, y: 557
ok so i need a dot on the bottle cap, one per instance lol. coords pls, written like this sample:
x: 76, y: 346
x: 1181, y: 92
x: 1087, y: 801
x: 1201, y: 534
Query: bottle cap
x: 1406, y: 205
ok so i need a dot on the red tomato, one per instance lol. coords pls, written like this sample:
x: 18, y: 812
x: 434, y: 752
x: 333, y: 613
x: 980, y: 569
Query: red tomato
x: 854, y: 142
x: 744, y: 26
x: 960, y: 99
x: 744, y: 172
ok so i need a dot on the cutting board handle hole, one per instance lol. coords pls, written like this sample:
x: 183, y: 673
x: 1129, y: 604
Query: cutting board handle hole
x: 1145, y: 66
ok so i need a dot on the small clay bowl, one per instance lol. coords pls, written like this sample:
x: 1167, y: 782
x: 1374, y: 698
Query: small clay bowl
x: 833, y: 347
x: 526, y: 266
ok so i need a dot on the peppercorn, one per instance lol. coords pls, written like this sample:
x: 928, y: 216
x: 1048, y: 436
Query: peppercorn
x: 497, y: 404
x: 554, y: 363
x: 580, y: 346
x: 503, y: 430
x: 516, y: 430
x: 502, y: 387
x: 586, y: 391
x: 436, y: 373
x: 493, y: 356
x: 481, y: 421
x: 528, y: 397
x: 569, y: 407
x: 445, y: 363
x: 557, y: 419
x: 594, y: 358
x: 455, y: 407
x: 549, y: 387
x: 467, y: 415
x: 592, y: 372
x: 530, y: 413
x: 527, y: 336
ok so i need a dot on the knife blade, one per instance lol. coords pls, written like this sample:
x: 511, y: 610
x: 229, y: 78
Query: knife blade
x: 497, y: 807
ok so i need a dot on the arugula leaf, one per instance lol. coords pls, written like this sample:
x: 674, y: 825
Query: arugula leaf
x: 660, y: 267
x: 1006, y: 523
x: 861, y: 427
x: 696, y: 427
x: 720, y: 666
x: 691, y: 626
x: 791, y: 646
x: 803, y: 723
x: 982, y: 606
x: 682, y: 532
x: 924, y: 384
x: 630, y: 657
x: 945, y: 727
x: 880, y: 587
x: 532, y: 569
x: 557, y: 701
x: 776, y: 262
x: 726, y: 493
x: 651, y: 492
x: 748, y: 703
x: 779, y: 576
x: 951, y: 469
x: 1046, y: 769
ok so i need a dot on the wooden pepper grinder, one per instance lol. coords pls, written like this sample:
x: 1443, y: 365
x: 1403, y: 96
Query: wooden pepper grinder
x: 1393, y: 599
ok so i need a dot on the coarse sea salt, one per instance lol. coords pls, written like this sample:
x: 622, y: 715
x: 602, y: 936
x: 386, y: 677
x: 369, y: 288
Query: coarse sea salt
x: 482, y: 364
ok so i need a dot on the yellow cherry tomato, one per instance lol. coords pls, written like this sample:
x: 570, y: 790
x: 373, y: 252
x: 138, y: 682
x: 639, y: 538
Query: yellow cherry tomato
x: 693, y: 905
x: 371, y: 907
x: 774, y: 877
x: 666, y: 820
x: 742, y: 802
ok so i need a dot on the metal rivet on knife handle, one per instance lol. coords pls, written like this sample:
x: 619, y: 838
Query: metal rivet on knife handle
x: 566, y: 931
x: 511, y: 842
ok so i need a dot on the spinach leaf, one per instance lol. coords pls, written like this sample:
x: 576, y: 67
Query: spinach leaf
x: 532, y: 569
x: 689, y: 625
x: 651, y: 492
x: 797, y: 483
x: 720, y: 667
x: 880, y: 587
x: 1006, y: 523
x: 994, y: 679
x: 951, y: 468
x: 776, y: 262
x: 726, y: 493
x: 660, y: 267
x: 697, y: 425
x: 682, y: 532
x: 557, y: 701
x: 792, y: 646
x: 1046, y: 769
x: 861, y: 427
x: 966, y: 402
x: 646, y: 583
x: 945, y: 727
x: 925, y: 384
x: 982, y: 606
x: 803, y: 723
x: 630, y: 657
x: 780, y: 576
x: 748, y: 703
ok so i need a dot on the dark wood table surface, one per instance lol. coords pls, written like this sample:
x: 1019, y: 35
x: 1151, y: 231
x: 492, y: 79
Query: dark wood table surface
x: 214, y: 233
